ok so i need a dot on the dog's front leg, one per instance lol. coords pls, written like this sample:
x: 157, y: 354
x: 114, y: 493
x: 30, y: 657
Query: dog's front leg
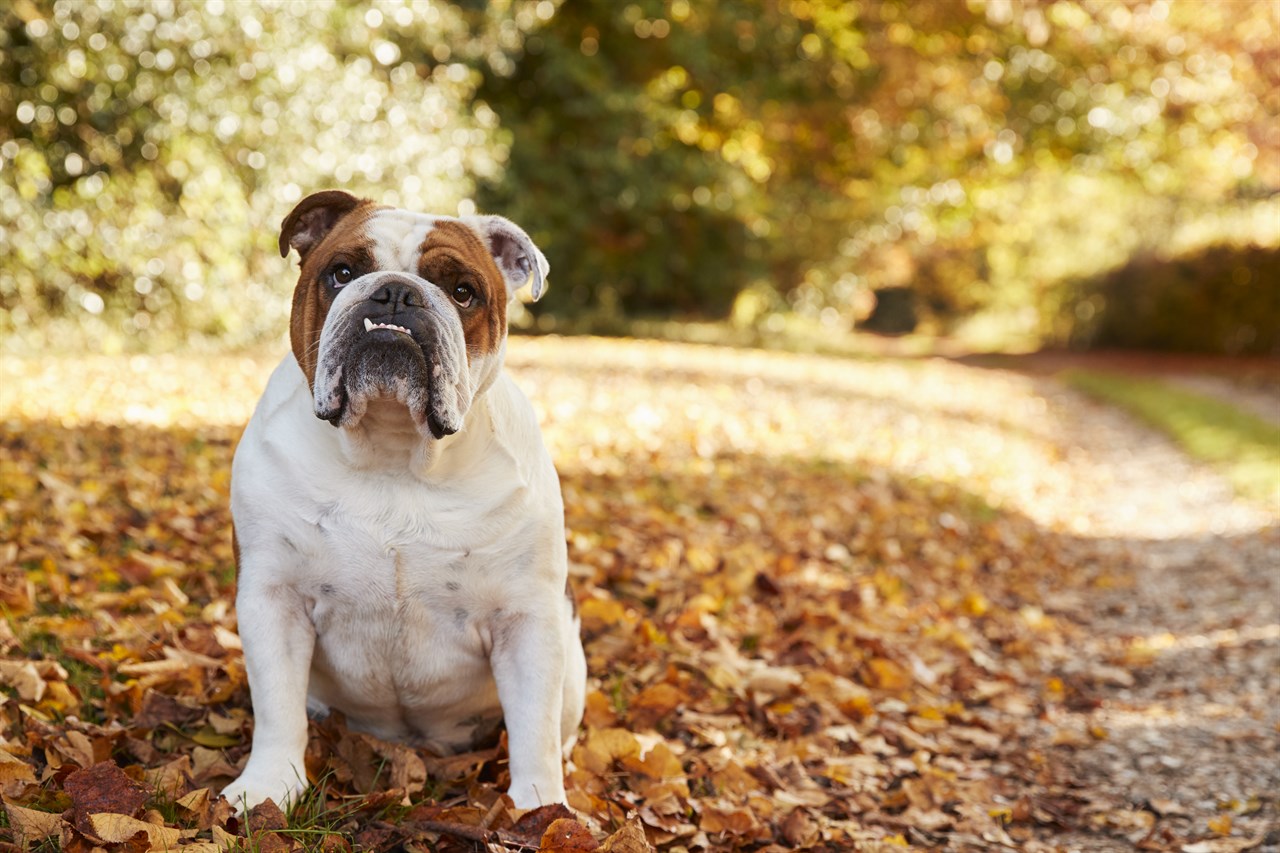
x: 528, y: 665
x: 278, y: 639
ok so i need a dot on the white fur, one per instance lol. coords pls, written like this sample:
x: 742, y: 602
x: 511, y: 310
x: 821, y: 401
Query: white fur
x: 416, y: 590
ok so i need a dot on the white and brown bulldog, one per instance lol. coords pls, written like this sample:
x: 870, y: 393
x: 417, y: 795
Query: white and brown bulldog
x: 399, y: 526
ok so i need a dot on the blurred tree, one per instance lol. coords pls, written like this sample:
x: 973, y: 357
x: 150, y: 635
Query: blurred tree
x: 673, y: 157
x: 150, y: 150
x: 983, y: 154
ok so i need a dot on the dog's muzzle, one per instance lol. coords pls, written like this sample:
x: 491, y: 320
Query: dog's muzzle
x: 393, y: 336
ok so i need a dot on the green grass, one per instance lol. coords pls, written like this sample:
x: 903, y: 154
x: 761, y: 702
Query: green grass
x: 1244, y: 446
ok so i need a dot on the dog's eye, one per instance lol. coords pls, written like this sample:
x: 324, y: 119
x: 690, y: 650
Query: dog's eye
x: 463, y: 294
x: 341, y: 274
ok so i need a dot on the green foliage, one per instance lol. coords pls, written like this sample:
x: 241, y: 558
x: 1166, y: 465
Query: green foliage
x: 1247, y: 447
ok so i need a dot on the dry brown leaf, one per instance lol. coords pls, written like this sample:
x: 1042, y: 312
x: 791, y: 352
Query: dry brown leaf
x: 725, y: 819
x: 265, y: 816
x: 118, y: 828
x: 1223, y: 845
x: 403, y: 768
x: 630, y: 838
x: 799, y: 829
x: 31, y: 826
x: 1166, y: 808
x: 659, y: 700
x: 102, y: 788
x: 531, y: 825
x: 566, y: 835
x: 14, y: 769
x: 225, y: 840
x: 30, y: 678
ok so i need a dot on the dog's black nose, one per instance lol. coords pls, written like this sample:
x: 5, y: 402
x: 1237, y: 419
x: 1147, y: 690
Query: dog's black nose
x: 396, y: 296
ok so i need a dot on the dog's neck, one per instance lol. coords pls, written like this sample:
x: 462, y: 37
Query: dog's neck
x: 387, y: 441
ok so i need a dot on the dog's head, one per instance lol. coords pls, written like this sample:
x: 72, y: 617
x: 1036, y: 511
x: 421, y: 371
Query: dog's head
x: 392, y: 304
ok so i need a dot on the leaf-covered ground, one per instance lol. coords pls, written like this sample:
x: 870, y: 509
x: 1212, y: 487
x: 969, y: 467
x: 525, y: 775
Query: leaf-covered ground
x: 827, y: 605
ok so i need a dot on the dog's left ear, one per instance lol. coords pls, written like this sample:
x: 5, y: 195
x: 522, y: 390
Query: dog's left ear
x: 519, y: 261
x: 314, y: 217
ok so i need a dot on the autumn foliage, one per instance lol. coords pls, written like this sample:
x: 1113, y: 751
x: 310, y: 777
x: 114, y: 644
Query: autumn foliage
x: 814, y: 619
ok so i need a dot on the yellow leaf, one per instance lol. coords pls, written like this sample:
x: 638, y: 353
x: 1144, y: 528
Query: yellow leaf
x: 117, y: 829
x: 195, y: 800
x: 976, y: 604
x: 658, y: 763
x: 603, y: 746
x: 208, y: 737
x: 13, y: 769
x: 1221, y: 825
x: 888, y: 675
x: 58, y: 698
x: 597, y: 613
x: 31, y: 826
x: 660, y: 698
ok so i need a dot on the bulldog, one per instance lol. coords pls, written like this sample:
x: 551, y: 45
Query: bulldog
x: 398, y: 523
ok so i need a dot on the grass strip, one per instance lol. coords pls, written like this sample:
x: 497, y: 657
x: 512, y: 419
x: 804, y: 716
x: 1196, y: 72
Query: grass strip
x: 1244, y: 446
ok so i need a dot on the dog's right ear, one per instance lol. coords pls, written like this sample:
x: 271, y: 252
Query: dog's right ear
x: 314, y: 217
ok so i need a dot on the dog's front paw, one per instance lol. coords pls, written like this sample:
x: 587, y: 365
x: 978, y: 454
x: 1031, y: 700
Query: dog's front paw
x: 254, y: 786
x: 529, y: 795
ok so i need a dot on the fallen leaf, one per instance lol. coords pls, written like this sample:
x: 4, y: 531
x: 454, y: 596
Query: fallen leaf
x: 1223, y: 845
x: 118, y: 828
x: 799, y: 830
x: 102, y: 788
x: 31, y: 826
x: 567, y: 836
x: 14, y: 769
x: 533, y: 824
x: 629, y: 838
x: 728, y: 820
x: 265, y: 816
x: 1166, y: 808
x: 1221, y: 824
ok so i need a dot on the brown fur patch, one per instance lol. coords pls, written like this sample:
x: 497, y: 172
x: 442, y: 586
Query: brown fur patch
x: 453, y: 253
x: 346, y: 242
x: 573, y: 599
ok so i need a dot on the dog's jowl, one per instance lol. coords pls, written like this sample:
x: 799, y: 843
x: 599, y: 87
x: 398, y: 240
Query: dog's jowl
x: 399, y: 523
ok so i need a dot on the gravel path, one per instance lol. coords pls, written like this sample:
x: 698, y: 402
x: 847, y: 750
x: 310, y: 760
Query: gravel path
x: 1178, y: 678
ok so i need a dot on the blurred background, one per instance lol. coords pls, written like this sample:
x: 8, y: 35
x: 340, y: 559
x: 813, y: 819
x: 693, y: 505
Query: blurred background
x: 1006, y: 175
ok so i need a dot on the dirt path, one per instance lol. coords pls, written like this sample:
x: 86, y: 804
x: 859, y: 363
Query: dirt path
x: 1178, y: 675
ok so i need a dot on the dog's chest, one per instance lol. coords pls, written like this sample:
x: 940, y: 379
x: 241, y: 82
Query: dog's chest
x: 404, y: 626
x: 415, y: 584
x: 389, y: 571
